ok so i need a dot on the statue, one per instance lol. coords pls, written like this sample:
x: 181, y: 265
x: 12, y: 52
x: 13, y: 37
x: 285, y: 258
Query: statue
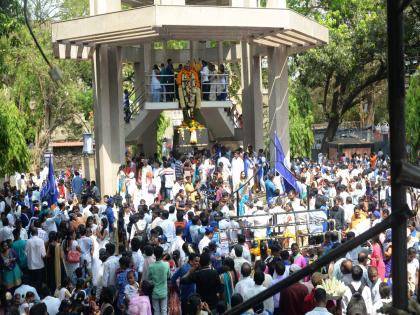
x: 189, y: 92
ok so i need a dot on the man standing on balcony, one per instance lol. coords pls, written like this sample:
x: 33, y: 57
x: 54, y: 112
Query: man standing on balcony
x: 170, y: 80
x: 205, y: 80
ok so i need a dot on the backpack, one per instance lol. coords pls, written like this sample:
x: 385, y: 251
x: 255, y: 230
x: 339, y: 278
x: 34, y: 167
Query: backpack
x: 357, y: 305
x: 138, y: 233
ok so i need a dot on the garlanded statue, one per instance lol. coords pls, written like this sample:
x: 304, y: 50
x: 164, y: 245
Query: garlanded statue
x: 189, y: 91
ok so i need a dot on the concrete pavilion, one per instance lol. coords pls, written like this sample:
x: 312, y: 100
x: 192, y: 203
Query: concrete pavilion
x: 111, y: 36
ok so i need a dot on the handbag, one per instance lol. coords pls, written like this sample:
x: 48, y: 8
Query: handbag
x: 73, y: 256
x: 151, y: 189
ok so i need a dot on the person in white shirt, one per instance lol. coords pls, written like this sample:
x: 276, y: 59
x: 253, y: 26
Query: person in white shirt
x: 246, y: 282
x: 356, y: 283
x: 6, y: 232
x: 257, y: 288
x: 177, y: 244
x: 237, y: 169
x: 385, y: 297
x: 168, y: 227
x: 172, y: 213
x: 205, y: 80
x: 245, y: 250
x: 35, y: 253
x: 86, y: 246
x: 52, y: 303
x: 137, y: 257
x: 412, y: 269
x: 239, y: 260
x: 111, y: 265
x: 226, y: 164
x: 206, y: 239
x: 320, y: 297
x: 348, y: 210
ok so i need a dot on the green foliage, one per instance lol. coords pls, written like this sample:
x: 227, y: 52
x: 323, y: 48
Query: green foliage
x: 234, y: 71
x: 300, y: 121
x: 162, y: 124
x: 71, y: 9
x: 42, y: 104
x: 10, y: 17
x: 412, y: 114
x: 13, y: 148
x: 354, y: 60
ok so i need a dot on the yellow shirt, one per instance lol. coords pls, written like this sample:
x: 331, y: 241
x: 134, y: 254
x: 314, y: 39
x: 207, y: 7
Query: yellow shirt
x: 355, y: 221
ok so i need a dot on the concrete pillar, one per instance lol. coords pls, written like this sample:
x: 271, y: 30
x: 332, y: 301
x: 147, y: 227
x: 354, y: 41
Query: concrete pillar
x: 281, y: 4
x: 257, y: 103
x: 247, y: 106
x: 147, y: 67
x: 139, y: 79
x: 251, y: 98
x: 104, y: 6
x: 278, y: 99
x: 149, y: 140
x: 109, y: 123
x: 220, y: 55
x: 194, y: 51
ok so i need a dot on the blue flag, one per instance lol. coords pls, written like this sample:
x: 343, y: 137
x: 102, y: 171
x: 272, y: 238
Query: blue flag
x: 288, y: 178
x: 49, y: 192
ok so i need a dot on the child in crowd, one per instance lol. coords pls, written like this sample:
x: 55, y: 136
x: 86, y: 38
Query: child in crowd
x: 27, y: 303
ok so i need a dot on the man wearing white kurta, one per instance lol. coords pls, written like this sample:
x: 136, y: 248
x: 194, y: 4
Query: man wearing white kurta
x: 237, y: 169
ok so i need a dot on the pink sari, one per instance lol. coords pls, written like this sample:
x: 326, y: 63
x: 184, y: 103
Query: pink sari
x: 139, y: 305
x: 377, y: 260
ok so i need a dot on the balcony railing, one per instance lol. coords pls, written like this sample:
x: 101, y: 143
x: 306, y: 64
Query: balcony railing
x: 166, y: 90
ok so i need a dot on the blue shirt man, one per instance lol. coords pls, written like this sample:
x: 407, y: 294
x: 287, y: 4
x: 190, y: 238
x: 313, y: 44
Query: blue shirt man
x: 270, y: 188
x: 189, y: 288
x: 110, y: 214
x: 77, y: 184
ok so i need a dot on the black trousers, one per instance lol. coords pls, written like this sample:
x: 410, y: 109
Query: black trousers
x: 206, y: 90
x: 36, y: 277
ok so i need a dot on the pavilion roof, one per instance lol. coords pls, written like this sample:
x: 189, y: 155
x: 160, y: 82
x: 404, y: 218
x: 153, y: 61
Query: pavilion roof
x: 74, y: 39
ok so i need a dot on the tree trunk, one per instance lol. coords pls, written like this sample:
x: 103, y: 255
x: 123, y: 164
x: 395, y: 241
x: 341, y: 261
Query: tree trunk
x: 333, y: 124
x: 38, y: 150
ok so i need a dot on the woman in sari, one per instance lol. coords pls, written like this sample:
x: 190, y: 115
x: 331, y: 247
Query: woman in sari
x: 243, y: 194
x: 229, y: 279
x: 121, y: 180
x: 70, y: 244
x: 54, y: 266
x: 10, y: 272
x: 376, y: 258
x: 102, y: 234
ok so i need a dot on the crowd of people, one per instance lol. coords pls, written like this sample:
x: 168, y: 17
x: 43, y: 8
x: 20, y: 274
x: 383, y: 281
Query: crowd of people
x: 212, y: 81
x: 199, y: 234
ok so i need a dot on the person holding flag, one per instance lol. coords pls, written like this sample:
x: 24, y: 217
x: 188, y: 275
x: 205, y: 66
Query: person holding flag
x: 49, y: 192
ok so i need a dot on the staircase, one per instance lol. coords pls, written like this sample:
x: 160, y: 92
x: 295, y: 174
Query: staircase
x: 217, y: 119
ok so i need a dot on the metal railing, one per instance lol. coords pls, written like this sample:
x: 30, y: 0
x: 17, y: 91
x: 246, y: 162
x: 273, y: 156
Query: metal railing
x: 321, y: 262
x: 162, y: 91
x: 166, y: 90
x: 216, y: 88
x: 134, y: 107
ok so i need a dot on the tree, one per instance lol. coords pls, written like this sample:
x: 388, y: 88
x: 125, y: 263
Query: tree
x: 300, y: 121
x: 412, y: 114
x: 352, y: 62
x: 13, y: 148
x: 43, y: 104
